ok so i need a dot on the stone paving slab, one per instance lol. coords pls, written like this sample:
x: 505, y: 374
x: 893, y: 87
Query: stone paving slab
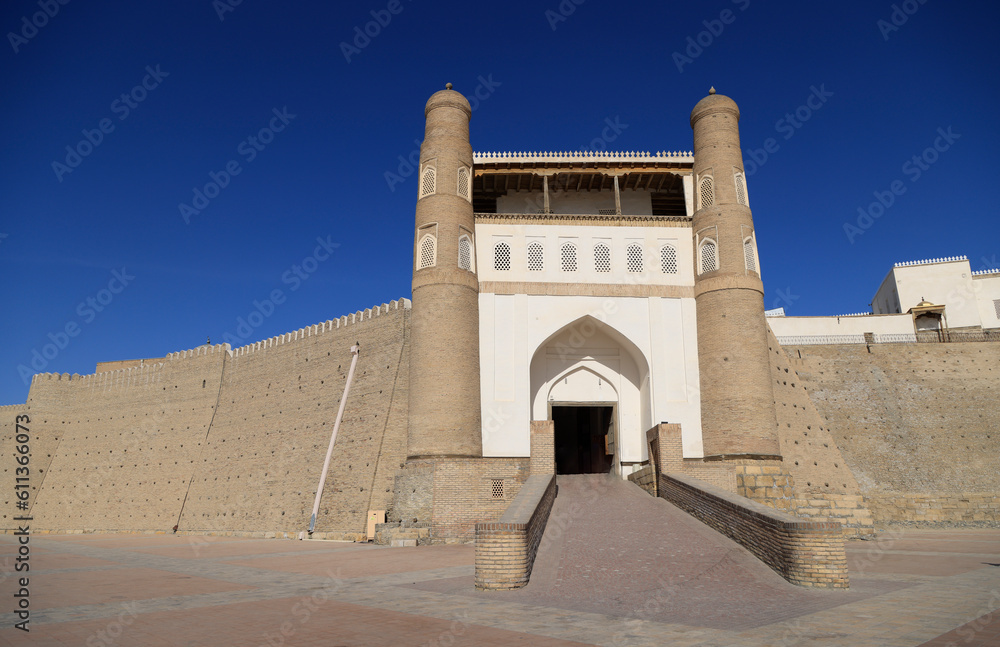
x: 139, y: 590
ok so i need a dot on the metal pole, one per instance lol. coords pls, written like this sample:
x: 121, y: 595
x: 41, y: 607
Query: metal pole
x: 355, y: 350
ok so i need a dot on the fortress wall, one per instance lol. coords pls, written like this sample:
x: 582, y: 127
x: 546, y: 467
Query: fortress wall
x: 824, y: 486
x: 127, y: 441
x: 261, y: 463
x: 918, y: 424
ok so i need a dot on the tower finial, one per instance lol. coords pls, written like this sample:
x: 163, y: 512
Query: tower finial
x: 711, y: 90
x: 447, y: 86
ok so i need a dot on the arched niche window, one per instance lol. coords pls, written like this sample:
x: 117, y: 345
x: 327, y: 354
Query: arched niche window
x: 427, y: 252
x: 465, y: 253
x: 602, y: 258
x: 501, y: 257
x: 706, y: 192
x: 708, y: 257
x: 428, y: 181
x: 464, y: 185
x: 748, y: 255
x: 536, y: 257
x: 741, y: 188
x: 567, y: 255
x: 633, y: 258
x: 668, y: 259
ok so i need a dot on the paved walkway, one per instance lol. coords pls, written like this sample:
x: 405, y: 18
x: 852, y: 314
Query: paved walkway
x: 910, y: 588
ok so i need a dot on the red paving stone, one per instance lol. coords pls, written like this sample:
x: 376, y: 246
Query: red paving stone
x: 377, y: 561
x: 193, y: 547
x: 981, y: 632
x: 118, y: 585
x: 860, y: 561
x: 298, y: 621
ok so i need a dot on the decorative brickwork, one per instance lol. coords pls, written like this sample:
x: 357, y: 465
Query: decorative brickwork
x: 543, y: 447
x: 506, y: 548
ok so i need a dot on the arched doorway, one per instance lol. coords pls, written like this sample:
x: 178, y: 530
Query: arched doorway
x: 593, y: 383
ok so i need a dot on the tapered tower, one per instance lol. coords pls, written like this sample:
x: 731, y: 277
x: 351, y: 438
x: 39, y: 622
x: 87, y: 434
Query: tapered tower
x: 444, y: 399
x: 737, y: 401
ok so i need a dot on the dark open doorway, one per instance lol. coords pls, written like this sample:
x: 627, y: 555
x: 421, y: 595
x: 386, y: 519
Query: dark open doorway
x: 582, y: 442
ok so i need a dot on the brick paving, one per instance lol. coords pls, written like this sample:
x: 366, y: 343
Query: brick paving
x: 617, y: 568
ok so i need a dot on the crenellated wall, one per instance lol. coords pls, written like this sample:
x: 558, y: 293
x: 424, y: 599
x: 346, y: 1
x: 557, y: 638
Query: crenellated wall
x: 220, y: 440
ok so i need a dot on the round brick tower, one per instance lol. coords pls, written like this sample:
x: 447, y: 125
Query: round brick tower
x: 444, y: 402
x: 737, y: 401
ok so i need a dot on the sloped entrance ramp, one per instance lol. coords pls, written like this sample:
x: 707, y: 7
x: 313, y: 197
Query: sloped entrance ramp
x: 611, y: 548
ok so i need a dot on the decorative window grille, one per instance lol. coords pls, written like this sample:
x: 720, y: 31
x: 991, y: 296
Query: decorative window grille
x: 568, y: 254
x: 709, y: 257
x: 741, y: 190
x: 463, y: 183
x: 633, y: 258
x: 427, y: 182
x: 536, y: 257
x: 496, y: 488
x: 602, y: 258
x: 748, y: 255
x: 668, y: 259
x: 607, y: 212
x: 428, y: 252
x: 464, y: 253
x: 501, y: 257
x: 707, y: 192
x: 996, y: 306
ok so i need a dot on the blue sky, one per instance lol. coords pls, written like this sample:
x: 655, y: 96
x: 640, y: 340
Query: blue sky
x: 840, y: 97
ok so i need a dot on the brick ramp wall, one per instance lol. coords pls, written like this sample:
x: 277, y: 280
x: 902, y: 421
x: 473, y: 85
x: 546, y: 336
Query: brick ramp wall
x: 917, y: 424
x: 506, y: 549
x: 807, y: 553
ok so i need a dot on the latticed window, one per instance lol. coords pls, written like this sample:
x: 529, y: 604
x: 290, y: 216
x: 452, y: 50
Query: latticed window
x: 602, y: 258
x: 996, y: 306
x: 568, y: 254
x: 501, y: 257
x: 465, y: 253
x: 707, y: 192
x: 536, y: 257
x: 633, y: 257
x: 668, y: 259
x: 427, y: 252
x: 496, y: 488
x: 741, y: 189
x: 709, y: 257
x: 427, y: 182
x: 463, y: 182
x: 748, y: 255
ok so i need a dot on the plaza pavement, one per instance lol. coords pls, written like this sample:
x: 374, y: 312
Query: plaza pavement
x: 937, y: 587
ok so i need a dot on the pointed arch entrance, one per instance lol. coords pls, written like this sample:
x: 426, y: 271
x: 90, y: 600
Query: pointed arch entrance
x: 593, y: 383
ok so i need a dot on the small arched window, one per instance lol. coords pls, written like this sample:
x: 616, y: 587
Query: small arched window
x: 465, y: 253
x: 428, y: 252
x: 749, y: 256
x: 501, y: 257
x: 668, y: 259
x: 428, y: 181
x: 463, y: 183
x: 707, y: 192
x: 633, y: 258
x: 536, y: 257
x: 709, y: 257
x: 568, y: 256
x: 741, y: 189
x: 602, y: 258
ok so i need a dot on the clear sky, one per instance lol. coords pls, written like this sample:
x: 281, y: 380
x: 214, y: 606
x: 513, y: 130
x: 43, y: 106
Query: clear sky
x: 114, y: 113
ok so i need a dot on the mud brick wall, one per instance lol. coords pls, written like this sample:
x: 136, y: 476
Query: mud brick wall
x: 223, y: 441
x: 807, y: 553
x: 918, y: 424
x: 506, y: 549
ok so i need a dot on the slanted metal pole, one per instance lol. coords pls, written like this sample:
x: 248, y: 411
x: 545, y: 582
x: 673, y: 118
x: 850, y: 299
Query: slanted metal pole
x: 355, y: 350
